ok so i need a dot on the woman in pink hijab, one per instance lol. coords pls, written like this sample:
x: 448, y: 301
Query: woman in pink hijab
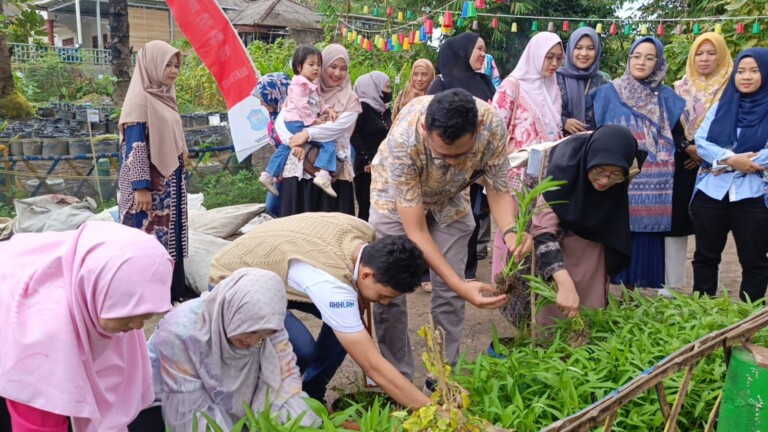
x: 72, y: 309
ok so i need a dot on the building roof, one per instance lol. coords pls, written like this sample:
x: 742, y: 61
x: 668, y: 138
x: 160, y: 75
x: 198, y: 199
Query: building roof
x: 268, y: 13
x: 275, y: 13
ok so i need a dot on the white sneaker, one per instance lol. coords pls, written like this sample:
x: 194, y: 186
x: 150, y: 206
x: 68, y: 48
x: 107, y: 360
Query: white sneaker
x: 323, y: 181
x: 666, y: 293
x: 269, y: 182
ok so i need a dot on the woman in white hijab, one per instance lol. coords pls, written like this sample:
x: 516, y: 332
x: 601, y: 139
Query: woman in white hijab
x: 226, y: 350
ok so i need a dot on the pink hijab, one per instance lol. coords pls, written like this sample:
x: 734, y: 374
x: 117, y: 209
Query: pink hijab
x: 55, y: 356
x: 542, y: 93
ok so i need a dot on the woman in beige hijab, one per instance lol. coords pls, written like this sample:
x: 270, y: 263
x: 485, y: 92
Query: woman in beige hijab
x: 153, y: 196
x: 299, y: 194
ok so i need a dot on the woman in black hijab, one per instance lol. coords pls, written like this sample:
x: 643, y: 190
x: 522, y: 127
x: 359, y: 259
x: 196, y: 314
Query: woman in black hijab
x: 460, y: 61
x: 583, y: 241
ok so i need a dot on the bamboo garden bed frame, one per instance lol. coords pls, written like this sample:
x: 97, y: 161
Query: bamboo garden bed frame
x: 603, y: 412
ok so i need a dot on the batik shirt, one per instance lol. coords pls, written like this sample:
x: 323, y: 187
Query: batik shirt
x: 405, y: 173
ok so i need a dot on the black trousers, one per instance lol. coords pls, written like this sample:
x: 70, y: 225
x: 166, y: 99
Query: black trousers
x: 479, y: 204
x: 148, y: 420
x: 362, y: 183
x: 748, y: 221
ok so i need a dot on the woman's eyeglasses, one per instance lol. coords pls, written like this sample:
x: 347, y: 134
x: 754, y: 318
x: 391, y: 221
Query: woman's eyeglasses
x: 602, y: 175
x: 637, y: 58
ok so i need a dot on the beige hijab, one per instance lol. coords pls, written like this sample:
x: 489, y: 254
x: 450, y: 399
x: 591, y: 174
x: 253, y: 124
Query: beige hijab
x: 148, y: 100
x: 340, y: 98
x: 410, y: 92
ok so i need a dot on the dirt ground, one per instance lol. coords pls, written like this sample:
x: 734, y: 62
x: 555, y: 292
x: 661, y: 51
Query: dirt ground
x: 478, y: 322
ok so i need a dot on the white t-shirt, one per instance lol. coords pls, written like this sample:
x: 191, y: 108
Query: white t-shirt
x: 337, y: 301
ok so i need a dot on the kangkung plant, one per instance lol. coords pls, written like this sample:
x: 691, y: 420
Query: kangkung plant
x: 508, y: 280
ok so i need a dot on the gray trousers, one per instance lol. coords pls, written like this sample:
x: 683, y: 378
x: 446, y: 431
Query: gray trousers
x: 391, y: 321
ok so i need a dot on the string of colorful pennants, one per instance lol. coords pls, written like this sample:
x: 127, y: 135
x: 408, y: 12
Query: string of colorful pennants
x: 405, y: 36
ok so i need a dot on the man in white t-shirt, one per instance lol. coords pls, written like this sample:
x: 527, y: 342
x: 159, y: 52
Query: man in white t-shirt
x: 331, y: 265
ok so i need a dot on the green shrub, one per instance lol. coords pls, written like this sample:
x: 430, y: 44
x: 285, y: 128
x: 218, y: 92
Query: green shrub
x: 49, y: 79
x: 226, y: 189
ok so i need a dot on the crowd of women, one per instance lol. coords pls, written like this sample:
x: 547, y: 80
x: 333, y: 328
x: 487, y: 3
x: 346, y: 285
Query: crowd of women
x: 646, y: 165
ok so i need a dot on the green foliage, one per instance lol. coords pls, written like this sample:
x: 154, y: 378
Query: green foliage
x: 197, y: 91
x: 226, y: 189
x: 26, y: 24
x: 7, y: 211
x: 535, y: 385
x: 49, y: 79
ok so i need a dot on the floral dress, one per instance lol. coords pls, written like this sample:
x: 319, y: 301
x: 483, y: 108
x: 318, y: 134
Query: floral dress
x: 168, y: 218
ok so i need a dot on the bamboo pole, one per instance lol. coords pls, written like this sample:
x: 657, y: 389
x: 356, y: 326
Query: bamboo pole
x: 682, y: 392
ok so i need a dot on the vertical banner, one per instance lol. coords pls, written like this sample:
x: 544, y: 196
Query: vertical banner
x: 212, y: 36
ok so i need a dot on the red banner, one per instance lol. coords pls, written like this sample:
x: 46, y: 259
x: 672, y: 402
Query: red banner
x: 216, y: 41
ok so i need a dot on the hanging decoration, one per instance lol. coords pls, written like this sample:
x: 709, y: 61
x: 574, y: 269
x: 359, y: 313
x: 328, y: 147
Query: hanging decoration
x: 411, y: 30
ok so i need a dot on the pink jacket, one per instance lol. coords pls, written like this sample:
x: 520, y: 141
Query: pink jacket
x: 303, y: 103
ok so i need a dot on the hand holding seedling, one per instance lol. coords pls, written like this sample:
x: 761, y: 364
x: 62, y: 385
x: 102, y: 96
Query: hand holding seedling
x: 521, y: 248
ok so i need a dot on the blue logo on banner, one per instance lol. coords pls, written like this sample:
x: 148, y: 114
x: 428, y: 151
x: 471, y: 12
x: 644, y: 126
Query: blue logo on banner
x: 257, y: 119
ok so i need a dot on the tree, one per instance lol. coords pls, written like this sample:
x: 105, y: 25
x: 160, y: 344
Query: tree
x: 27, y: 23
x: 120, y: 46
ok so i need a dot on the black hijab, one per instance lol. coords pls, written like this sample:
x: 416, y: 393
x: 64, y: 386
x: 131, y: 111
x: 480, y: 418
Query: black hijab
x: 599, y: 216
x: 453, y: 62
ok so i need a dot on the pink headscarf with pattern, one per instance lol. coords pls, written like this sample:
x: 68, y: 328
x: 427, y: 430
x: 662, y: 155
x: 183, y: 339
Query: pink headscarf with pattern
x: 54, y: 288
